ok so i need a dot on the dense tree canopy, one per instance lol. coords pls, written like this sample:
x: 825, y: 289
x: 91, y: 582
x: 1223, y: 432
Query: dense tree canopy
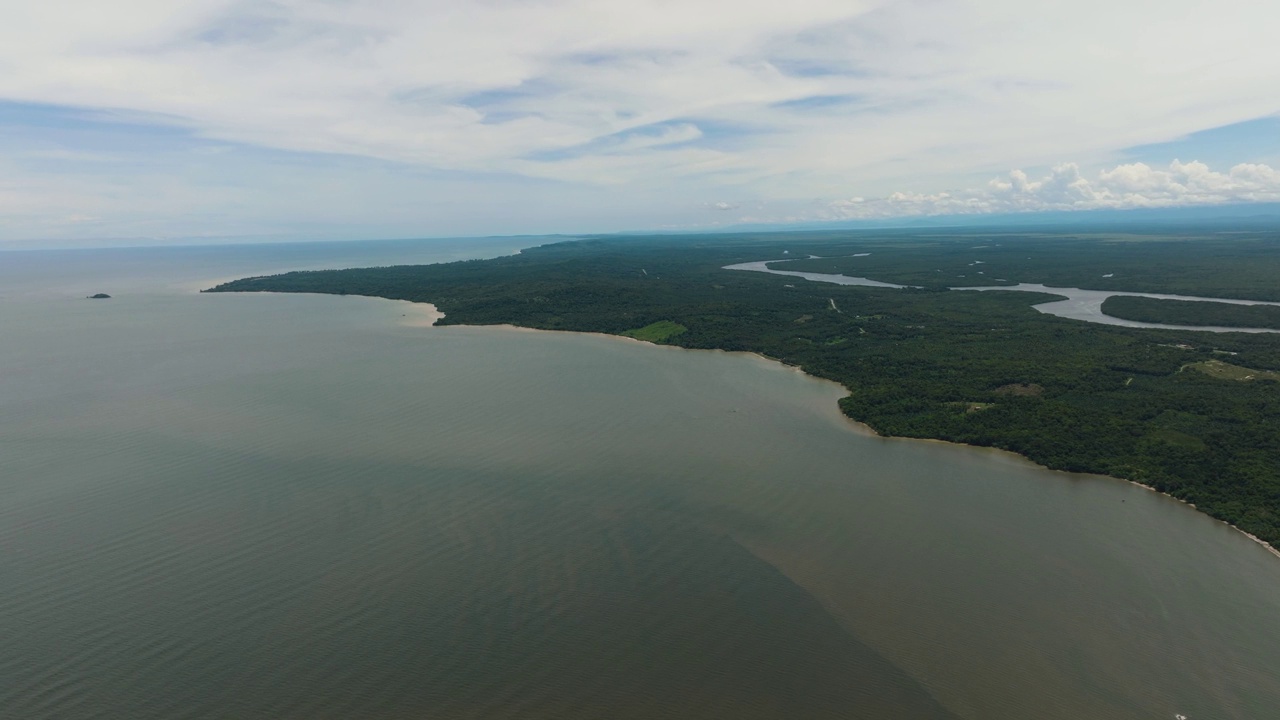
x: 1191, y: 312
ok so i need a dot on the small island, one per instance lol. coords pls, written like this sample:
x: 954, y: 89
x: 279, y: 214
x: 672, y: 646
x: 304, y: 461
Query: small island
x: 99, y: 296
x: 1190, y: 312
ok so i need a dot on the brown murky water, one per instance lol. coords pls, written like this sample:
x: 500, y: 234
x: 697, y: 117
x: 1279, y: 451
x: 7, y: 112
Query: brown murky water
x: 302, y: 507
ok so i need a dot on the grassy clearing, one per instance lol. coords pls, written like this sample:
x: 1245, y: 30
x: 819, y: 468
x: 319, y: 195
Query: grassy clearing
x: 1227, y: 371
x: 1177, y: 438
x: 658, y: 332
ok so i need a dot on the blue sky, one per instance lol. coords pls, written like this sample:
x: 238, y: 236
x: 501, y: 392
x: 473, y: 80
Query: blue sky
x: 389, y: 118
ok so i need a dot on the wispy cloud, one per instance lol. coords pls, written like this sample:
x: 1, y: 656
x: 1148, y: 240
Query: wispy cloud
x: 493, y: 83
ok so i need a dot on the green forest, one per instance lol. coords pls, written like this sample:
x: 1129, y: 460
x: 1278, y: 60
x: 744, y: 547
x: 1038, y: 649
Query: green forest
x: 1192, y: 312
x: 978, y: 368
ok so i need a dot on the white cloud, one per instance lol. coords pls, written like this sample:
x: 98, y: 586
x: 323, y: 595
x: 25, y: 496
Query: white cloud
x: 938, y: 86
x: 1124, y: 187
x: 680, y: 101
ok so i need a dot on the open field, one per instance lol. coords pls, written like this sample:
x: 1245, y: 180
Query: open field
x: 1227, y: 371
x: 657, y: 332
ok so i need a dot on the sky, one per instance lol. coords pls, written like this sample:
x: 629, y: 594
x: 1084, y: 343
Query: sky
x: 327, y: 119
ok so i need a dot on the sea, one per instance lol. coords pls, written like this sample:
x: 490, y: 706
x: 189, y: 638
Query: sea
x: 264, y: 506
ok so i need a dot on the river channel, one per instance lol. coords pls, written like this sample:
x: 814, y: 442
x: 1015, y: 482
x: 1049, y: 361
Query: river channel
x: 1077, y: 304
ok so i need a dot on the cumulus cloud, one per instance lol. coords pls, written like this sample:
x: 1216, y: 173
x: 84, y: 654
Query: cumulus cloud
x: 1124, y: 187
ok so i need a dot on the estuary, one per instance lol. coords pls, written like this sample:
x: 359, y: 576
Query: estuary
x: 300, y: 506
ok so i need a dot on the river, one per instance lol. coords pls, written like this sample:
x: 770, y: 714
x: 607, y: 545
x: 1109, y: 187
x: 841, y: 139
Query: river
x: 1077, y: 304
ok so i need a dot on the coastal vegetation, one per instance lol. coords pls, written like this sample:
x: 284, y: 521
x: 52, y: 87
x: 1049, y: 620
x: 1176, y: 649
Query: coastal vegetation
x: 1192, y: 312
x: 979, y: 368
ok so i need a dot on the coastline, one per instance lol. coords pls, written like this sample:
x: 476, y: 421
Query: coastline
x: 427, y: 315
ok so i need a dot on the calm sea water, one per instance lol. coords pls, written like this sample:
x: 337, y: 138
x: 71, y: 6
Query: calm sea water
x: 276, y: 506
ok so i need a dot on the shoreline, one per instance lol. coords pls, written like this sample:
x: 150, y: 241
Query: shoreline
x: 429, y: 310
x: 419, y: 314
